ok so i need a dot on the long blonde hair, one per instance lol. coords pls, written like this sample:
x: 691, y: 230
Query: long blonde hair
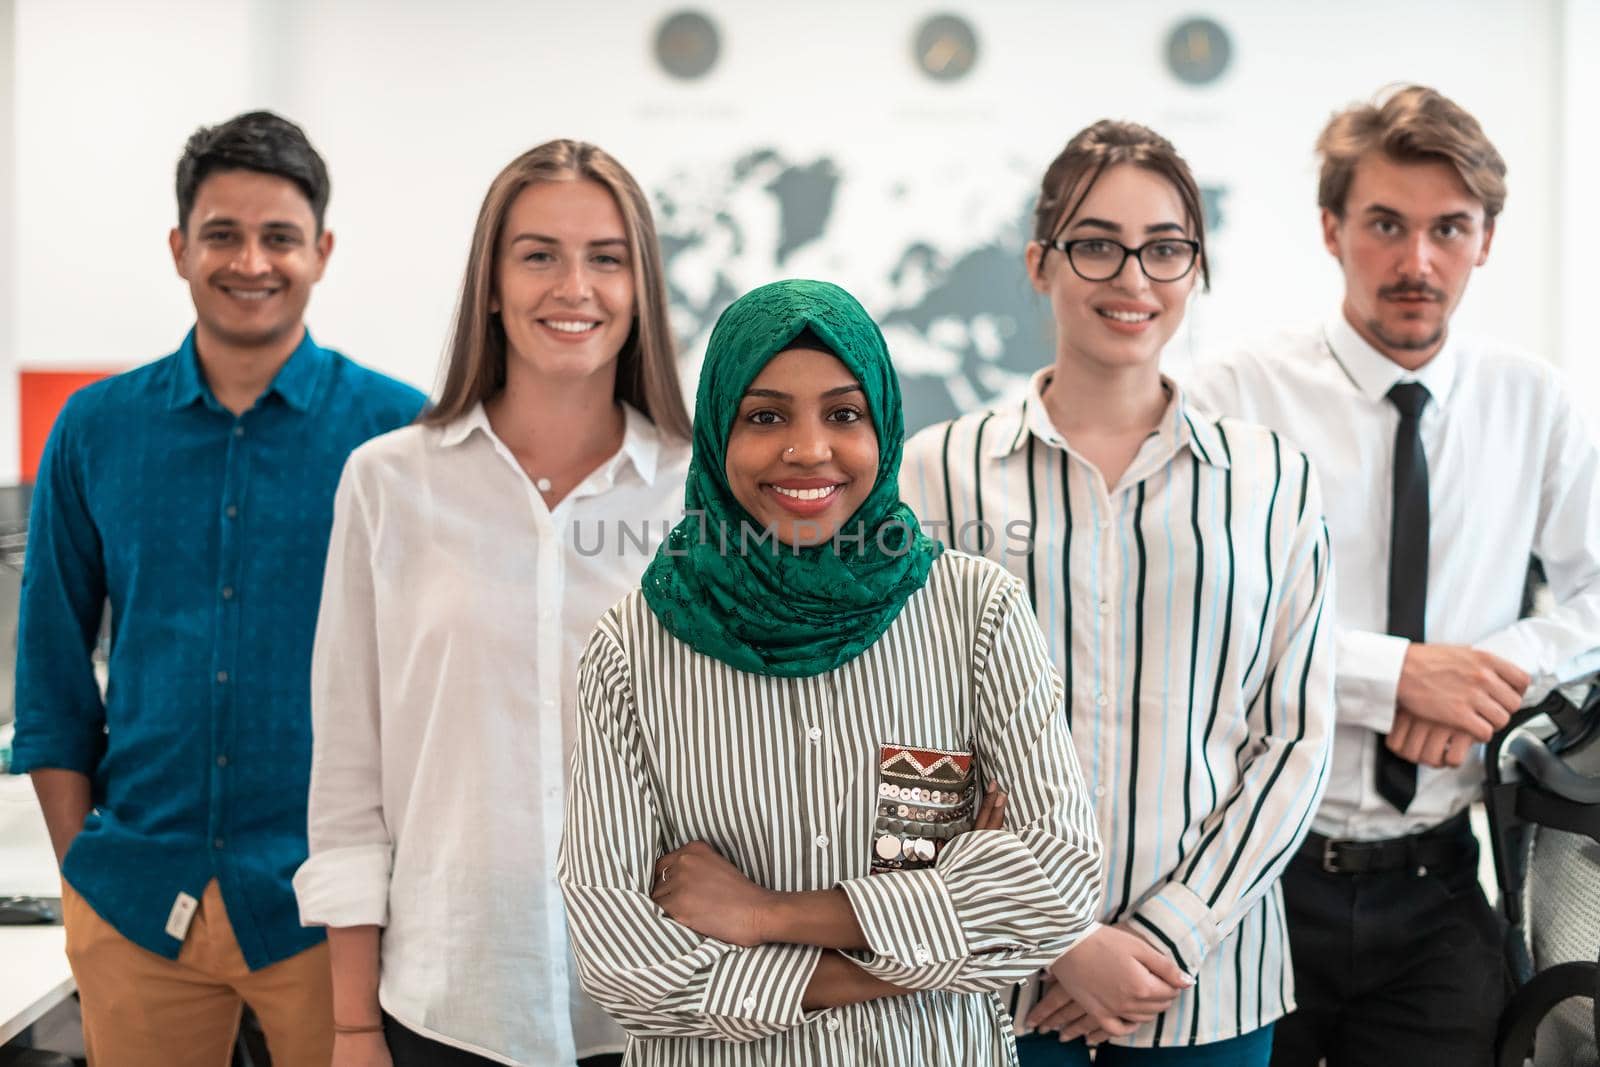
x: 647, y: 368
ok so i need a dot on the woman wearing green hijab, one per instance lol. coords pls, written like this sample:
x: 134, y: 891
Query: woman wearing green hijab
x: 775, y: 850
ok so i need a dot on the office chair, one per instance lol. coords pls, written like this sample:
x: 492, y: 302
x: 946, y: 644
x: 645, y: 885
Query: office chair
x: 1543, y: 799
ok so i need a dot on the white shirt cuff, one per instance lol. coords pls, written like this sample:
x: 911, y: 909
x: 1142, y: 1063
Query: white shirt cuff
x: 345, y: 887
x: 1367, y: 677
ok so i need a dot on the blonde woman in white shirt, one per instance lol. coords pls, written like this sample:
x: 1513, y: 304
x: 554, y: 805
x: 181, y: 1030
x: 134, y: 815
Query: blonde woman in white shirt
x: 471, y: 555
x: 1178, y: 567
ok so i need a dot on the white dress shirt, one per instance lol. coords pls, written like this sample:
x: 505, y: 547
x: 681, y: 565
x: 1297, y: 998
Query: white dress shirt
x: 1184, y: 607
x: 1513, y: 470
x: 444, y: 695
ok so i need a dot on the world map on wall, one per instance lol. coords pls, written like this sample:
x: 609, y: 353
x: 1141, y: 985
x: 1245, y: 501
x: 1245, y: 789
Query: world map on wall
x: 963, y: 324
x: 935, y: 258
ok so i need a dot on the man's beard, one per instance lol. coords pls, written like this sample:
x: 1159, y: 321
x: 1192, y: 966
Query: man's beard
x: 1404, y: 344
x: 1408, y: 344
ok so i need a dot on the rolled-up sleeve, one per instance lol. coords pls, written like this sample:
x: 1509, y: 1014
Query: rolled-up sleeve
x: 999, y: 904
x: 345, y: 880
x: 655, y: 976
x: 60, y: 717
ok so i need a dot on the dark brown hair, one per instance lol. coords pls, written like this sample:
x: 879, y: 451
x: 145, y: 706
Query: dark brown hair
x: 1073, y: 173
x: 258, y: 141
x: 1411, y: 125
x: 647, y: 367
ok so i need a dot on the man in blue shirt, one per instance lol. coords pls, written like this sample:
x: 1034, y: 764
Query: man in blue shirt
x: 194, y: 496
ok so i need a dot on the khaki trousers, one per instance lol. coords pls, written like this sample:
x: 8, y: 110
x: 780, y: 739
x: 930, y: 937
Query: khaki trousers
x: 144, y: 1010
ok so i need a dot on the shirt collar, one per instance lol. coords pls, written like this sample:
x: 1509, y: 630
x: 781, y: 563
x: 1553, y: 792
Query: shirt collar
x: 461, y: 427
x: 1191, y: 427
x: 296, y: 381
x: 1374, y: 373
x: 641, y: 440
x: 187, y: 384
x: 1180, y: 423
x: 641, y: 443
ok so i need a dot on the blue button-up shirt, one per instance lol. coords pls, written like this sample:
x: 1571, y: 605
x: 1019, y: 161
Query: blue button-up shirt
x: 206, y: 533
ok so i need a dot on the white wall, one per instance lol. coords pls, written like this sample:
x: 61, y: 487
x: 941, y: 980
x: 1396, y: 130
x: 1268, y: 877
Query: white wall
x: 8, y: 252
x: 1577, y: 151
x: 416, y: 104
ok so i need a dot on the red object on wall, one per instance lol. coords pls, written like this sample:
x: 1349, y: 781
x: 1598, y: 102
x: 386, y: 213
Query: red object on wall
x: 43, y: 393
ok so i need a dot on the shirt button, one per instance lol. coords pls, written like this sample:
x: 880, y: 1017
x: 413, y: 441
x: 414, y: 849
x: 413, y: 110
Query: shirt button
x: 1104, y: 524
x: 232, y: 511
x: 1101, y: 699
x: 822, y: 840
x: 815, y: 733
x: 238, y: 431
x: 833, y: 1023
x: 216, y: 843
x: 922, y: 955
x: 227, y: 592
x: 222, y: 677
x: 749, y: 1003
x: 222, y: 761
x: 1099, y: 790
x: 1105, y: 607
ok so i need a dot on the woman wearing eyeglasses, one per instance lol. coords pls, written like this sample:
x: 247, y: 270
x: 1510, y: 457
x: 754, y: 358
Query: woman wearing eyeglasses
x: 1178, y: 566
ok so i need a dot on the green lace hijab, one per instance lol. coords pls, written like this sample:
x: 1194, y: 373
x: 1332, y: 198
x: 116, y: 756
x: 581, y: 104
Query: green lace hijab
x: 771, y: 608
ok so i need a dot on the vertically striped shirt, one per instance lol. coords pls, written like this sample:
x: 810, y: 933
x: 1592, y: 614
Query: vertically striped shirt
x: 802, y: 784
x: 1185, y: 608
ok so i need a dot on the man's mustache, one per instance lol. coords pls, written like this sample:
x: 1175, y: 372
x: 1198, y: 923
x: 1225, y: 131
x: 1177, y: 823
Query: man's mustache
x: 1410, y: 290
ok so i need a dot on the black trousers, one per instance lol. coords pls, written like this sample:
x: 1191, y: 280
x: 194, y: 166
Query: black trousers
x: 1393, y: 968
x: 407, y: 1048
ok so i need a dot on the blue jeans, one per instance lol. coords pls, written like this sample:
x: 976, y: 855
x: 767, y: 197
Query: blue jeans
x: 1247, y: 1050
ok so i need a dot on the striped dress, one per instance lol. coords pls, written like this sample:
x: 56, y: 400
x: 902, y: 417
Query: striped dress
x: 861, y: 778
x: 1188, y: 610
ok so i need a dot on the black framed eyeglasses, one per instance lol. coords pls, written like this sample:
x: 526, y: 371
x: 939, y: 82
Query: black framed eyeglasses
x: 1099, y: 259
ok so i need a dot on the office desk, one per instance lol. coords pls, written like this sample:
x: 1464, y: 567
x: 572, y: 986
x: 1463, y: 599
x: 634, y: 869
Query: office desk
x: 34, y: 976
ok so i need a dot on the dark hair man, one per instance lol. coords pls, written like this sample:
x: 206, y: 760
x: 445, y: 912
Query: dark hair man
x: 1445, y: 461
x: 193, y: 497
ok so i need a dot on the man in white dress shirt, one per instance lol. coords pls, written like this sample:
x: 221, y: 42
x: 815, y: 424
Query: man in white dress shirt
x: 1446, y: 461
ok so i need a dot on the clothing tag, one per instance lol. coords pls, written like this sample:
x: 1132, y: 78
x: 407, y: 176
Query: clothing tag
x: 181, y: 915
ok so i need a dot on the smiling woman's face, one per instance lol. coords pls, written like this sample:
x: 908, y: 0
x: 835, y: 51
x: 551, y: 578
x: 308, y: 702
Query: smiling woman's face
x: 563, y: 286
x: 1127, y: 319
x: 803, y: 452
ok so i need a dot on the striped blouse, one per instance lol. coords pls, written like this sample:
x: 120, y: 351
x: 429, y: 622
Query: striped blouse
x: 812, y: 783
x: 1186, y: 609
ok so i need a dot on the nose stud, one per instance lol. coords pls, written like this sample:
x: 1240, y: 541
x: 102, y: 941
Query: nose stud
x: 789, y: 450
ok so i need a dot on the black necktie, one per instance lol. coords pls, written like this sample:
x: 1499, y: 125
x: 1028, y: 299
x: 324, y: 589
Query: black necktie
x: 1408, y: 564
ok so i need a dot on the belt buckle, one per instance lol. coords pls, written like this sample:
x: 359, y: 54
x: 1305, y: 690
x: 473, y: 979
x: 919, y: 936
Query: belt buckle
x: 1330, y: 863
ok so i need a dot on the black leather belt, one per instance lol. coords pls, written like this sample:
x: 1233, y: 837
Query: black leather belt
x: 1443, y: 847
